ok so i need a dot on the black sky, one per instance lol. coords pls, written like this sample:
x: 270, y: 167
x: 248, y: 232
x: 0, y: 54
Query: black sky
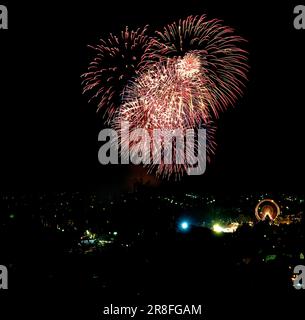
x: 49, y: 131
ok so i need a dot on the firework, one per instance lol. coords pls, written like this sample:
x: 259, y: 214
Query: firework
x: 161, y: 154
x: 168, y: 97
x: 213, y: 50
x: 176, y: 81
x: 116, y: 61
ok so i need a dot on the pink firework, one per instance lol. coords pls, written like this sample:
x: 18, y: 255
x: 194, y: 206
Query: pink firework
x: 178, y: 80
x: 169, y: 96
x: 213, y: 49
x: 116, y: 61
x: 174, y: 94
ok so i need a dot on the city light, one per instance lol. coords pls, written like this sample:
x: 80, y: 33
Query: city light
x: 184, y: 225
x: 217, y: 228
x: 232, y: 227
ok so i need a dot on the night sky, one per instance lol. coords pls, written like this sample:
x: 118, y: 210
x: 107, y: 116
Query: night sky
x: 49, y: 131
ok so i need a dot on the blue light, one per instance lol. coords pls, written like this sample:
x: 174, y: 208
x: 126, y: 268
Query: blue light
x: 184, y: 225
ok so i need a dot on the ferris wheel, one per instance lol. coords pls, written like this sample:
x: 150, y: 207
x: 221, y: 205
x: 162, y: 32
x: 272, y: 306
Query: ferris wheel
x: 267, y: 208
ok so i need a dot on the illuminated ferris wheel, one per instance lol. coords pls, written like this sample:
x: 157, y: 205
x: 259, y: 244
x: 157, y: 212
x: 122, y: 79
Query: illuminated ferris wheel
x: 267, y: 208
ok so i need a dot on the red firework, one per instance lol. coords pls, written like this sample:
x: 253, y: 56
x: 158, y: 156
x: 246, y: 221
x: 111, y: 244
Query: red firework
x: 222, y: 62
x: 116, y: 61
x: 169, y: 96
x: 178, y: 80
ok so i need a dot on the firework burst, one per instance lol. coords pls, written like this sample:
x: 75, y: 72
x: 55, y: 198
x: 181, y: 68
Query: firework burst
x: 171, y: 94
x: 116, y: 61
x: 180, y: 79
x: 222, y: 62
x: 167, y: 97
